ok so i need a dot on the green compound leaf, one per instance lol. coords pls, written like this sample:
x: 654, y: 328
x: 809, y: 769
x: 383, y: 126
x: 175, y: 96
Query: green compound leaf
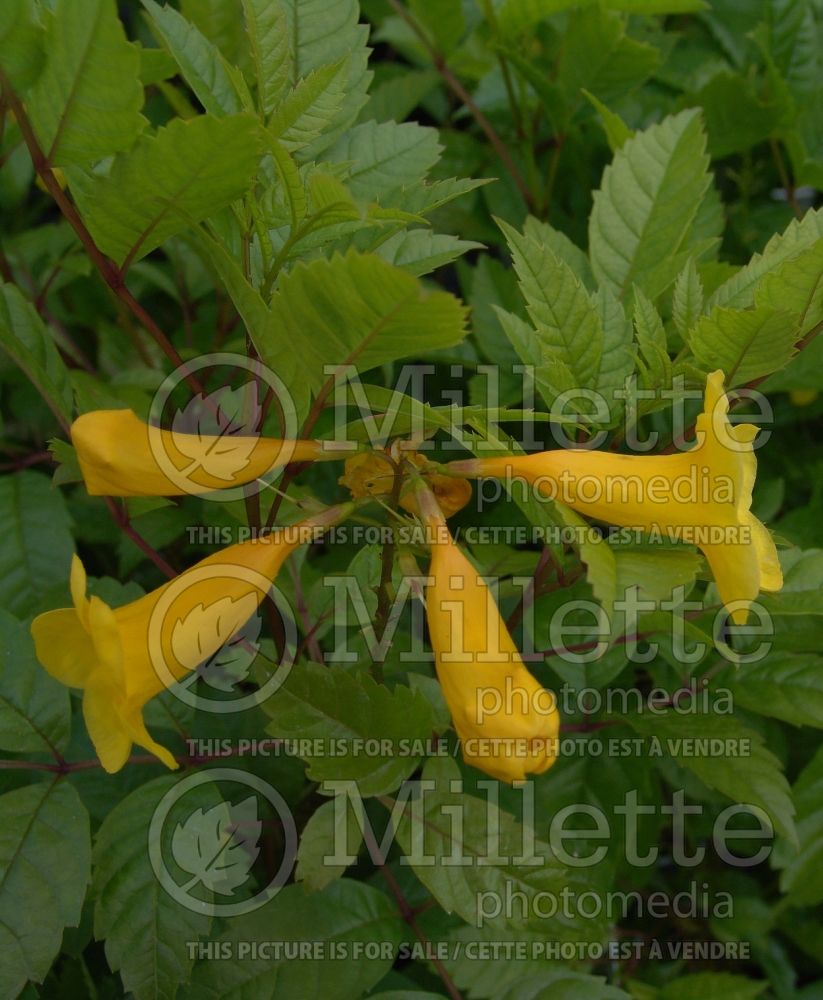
x: 86, y: 102
x: 365, y: 732
x: 647, y: 203
x: 171, y: 181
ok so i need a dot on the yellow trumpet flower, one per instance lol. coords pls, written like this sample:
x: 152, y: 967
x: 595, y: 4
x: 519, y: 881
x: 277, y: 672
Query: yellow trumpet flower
x: 121, y: 455
x: 702, y: 496
x: 123, y: 657
x: 506, y: 721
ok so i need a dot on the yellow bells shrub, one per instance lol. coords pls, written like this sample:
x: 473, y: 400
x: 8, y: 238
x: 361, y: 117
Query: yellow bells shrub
x: 701, y: 496
x: 123, y: 657
x: 121, y: 455
x: 506, y: 721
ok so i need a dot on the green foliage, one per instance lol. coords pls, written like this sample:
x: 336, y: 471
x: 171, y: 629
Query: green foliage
x: 44, y: 869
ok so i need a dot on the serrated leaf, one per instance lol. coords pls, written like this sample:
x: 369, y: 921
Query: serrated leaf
x: 750, y: 779
x: 617, y: 131
x: 201, y: 64
x: 687, y: 301
x: 801, y: 876
x: 739, y: 291
x: 310, y: 108
x: 797, y: 286
x: 329, y: 830
x: 616, y: 361
x: 269, y: 41
x: 145, y: 930
x: 419, y: 251
x: 647, y: 203
x: 27, y: 341
x: 782, y: 686
x: 322, y: 32
x: 35, y: 715
x: 356, y: 309
x: 745, y: 344
x: 567, y: 322
x: 86, y: 102
x: 38, y: 545
x: 385, y: 157
x: 427, y: 835
x: 45, y: 857
x: 343, y: 709
x: 343, y: 915
x: 171, y: 181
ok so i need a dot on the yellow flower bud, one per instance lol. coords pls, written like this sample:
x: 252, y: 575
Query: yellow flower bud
x: 506, y: 721
x: 122, y: 456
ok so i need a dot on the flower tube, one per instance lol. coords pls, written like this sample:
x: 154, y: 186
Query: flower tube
x: 506, y: 721
x: 702, y: 496
x: 123, y: 657
x: 121, y: 455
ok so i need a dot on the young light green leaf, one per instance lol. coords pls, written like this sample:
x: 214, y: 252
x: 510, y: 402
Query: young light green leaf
x: 35, y: 715
x: 617, y: 131
x: 746, y: 344
x: 45, y: 856
x: 647, y: 203
x: 567, y: 322
x: 355, y: 309
x: 201, y: 63
x: 308, y: 110
x: 797, y: 285
x: 420, y: 251
x: 169, y: 182
x: 385, y: 157
x: 323, y: 32
x: 269, y: 41
x: 86, y: 102
x: 687, y: 302
x: 739, y: 291
x: 617, y: 359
